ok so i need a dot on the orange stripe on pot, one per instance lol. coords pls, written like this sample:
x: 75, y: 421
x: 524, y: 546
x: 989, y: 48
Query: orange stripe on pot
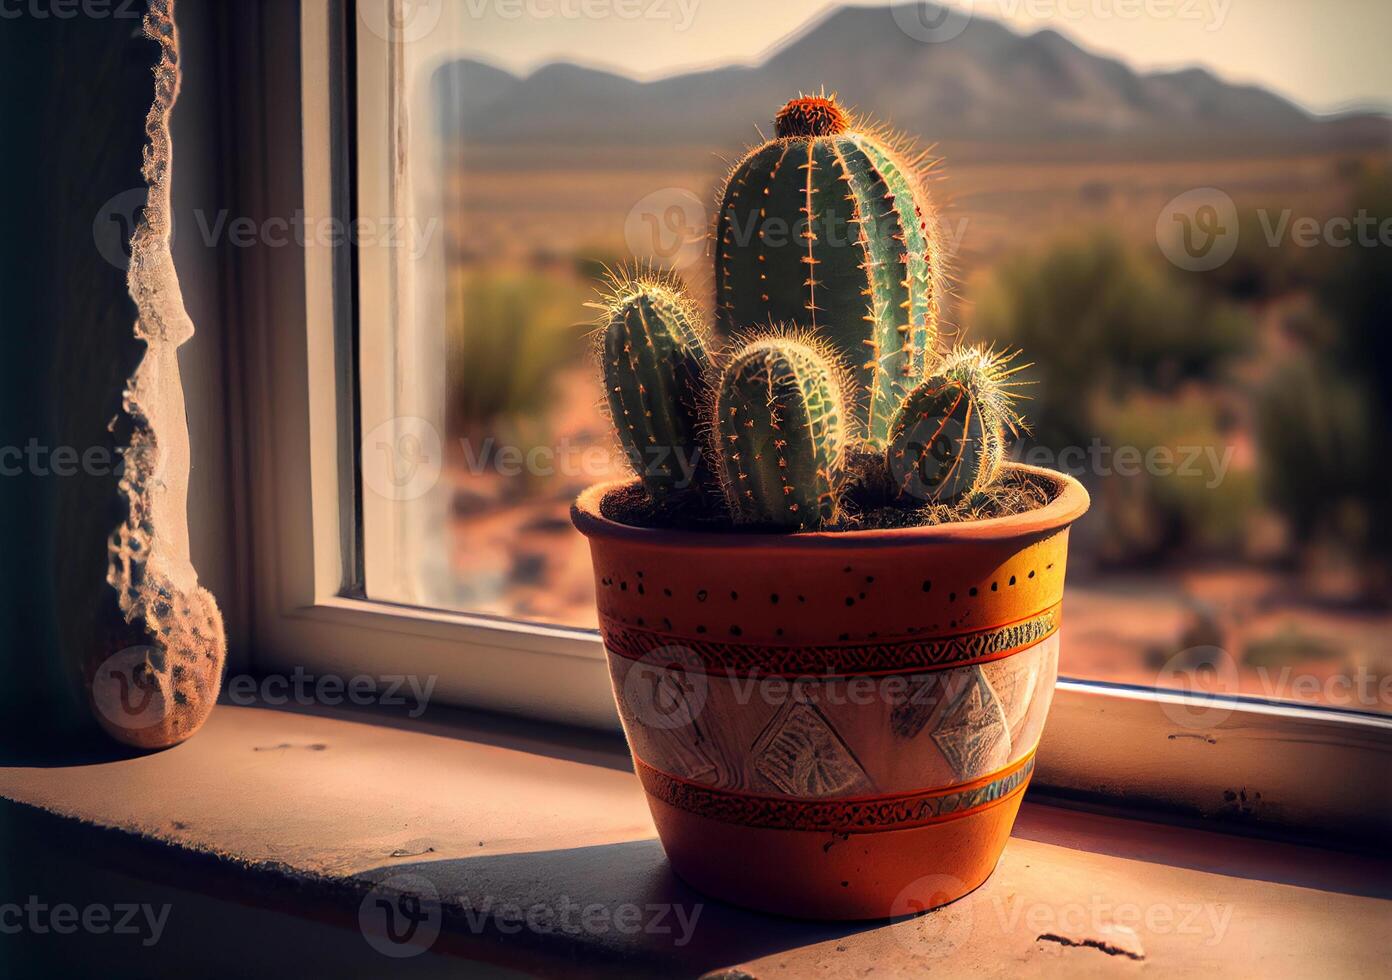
x: 908, y: 654
x: 850, y: 815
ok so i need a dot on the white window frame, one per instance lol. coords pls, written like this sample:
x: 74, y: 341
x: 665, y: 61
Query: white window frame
x: 1273, y: 767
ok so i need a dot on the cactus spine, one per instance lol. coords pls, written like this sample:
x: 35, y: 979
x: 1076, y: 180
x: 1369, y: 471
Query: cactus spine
x: 654, y: 360
x: 948, y: 437
x: 830, y: 229
x: 779, y: 429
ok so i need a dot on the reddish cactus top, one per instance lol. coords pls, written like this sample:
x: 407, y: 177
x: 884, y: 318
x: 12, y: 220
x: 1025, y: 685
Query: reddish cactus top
x: 811, y: 115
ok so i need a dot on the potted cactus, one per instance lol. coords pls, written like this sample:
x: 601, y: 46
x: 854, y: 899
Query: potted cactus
x: 830, y: 607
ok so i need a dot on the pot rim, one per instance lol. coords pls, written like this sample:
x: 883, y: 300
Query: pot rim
x: 1070, y: 504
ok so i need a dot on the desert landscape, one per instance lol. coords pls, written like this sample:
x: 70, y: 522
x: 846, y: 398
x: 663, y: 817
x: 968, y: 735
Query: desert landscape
x: 1054, y: 167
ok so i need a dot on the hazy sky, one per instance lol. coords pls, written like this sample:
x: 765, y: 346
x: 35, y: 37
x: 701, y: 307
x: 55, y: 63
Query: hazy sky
x: 1324, y: 54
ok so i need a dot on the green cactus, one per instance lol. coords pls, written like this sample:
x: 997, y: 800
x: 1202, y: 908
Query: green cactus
x: 778, y: 417
x: 948, y: 438
x: 653, y: 350
x: 830, y: 228
x: 848, y: 409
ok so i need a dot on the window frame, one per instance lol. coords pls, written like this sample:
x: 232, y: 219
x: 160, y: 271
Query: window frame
x: 1265, y: 766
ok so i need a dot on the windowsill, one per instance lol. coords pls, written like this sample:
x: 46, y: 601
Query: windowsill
x: 303, y: 812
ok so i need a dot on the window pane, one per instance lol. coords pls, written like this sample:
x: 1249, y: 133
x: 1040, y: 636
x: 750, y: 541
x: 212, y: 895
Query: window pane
x: 1198, y: 271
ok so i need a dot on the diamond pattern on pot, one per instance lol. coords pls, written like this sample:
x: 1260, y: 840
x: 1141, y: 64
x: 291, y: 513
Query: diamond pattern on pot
x: 801, y: 755
x: 913, y: 713
x: 1014, y: 680
x: 971, y: 732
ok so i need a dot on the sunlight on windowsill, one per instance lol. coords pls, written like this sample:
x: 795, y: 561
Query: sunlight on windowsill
x: 500, y: 817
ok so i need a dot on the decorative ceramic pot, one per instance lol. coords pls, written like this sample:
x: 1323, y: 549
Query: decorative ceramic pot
x: 834, y: 725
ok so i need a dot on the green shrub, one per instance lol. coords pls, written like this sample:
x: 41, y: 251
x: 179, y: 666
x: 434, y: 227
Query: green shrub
x: 1189, y: 504
x: 1317, y: 428
x: 1100, y: 320
x: 1358, y: 293
x: 1289, y: 647
x: 508, y: 334
x: 1260, y: 269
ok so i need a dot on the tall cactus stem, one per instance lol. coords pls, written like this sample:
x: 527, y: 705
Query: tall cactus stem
x: 828, y: 226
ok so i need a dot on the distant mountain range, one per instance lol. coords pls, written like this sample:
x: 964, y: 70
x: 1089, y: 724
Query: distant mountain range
x: 988, y: 84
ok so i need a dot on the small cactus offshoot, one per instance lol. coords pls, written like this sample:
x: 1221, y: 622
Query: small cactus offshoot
x: 654, y: 357
x: 828, y: 227
x: 948, y: 438
x: 779, y: 433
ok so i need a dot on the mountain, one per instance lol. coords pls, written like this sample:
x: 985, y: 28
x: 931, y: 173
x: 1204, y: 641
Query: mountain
x: 987, y: 84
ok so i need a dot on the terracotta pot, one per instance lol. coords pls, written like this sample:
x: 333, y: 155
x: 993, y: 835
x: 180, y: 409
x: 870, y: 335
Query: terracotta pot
x: 834, y: 725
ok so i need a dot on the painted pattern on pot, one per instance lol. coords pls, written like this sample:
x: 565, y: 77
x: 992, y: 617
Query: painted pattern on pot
x: 820, y: 719
x: 817, y: 737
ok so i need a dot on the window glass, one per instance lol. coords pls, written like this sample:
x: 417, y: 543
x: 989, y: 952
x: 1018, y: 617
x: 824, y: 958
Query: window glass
x: 1198, y: 262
